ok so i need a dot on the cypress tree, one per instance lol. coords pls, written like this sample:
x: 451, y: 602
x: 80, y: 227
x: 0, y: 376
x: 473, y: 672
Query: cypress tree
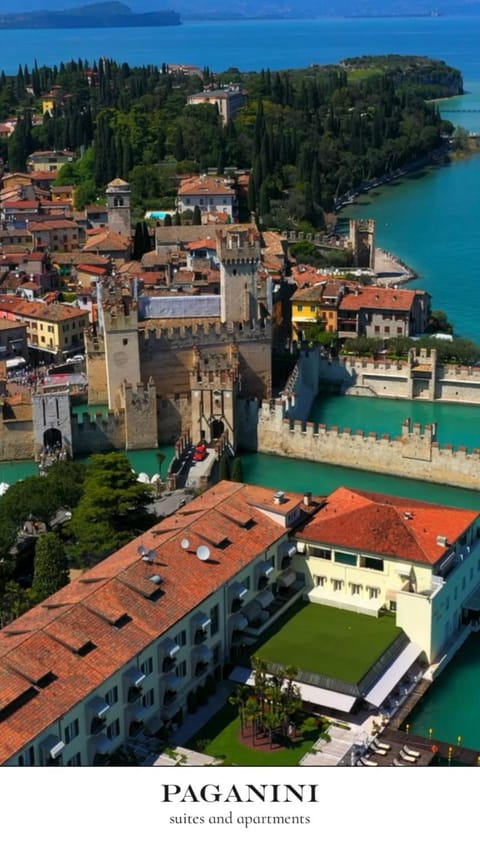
x: 224, y: 467
x: 197, y: 216
x: 237, y: 470
x: 50, y: 570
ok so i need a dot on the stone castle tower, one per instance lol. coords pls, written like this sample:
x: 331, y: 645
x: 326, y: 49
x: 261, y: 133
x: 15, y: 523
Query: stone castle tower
x: 118, y: 207
x: 362, y: 242
x: 118, y: 321
x: 239, y: 254
x: 52, y: 427
x: 214, y: 382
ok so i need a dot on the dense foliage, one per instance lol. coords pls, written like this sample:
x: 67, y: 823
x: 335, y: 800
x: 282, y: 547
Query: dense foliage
x: 309, y: 135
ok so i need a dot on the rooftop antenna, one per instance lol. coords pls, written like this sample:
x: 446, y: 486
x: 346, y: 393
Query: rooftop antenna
x: 203, y: 553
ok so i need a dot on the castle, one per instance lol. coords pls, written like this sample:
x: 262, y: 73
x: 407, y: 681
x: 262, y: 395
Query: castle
x: 172, y: 363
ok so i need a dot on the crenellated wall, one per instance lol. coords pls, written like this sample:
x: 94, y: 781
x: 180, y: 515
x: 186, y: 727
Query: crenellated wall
x: 166, y: 354
x: 97, y: 434
x: 414, y: 454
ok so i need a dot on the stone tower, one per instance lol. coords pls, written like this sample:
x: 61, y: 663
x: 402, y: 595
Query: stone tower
x: 52, y: 425
x: 118, y: 320
x: 362, y: 242
x: 214, y: 383
x: 118, y: 207
x: 239, y: 254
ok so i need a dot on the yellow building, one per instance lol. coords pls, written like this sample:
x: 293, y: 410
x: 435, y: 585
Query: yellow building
x: 316, y: 304
x: 54, y: 330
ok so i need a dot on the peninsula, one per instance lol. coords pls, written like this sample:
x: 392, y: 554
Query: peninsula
x: 97, y: 15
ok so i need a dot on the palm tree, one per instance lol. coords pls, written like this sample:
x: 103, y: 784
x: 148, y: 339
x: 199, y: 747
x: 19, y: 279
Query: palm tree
x: 239, y: 698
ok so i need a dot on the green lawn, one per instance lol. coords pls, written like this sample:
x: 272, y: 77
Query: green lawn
x: 220, y: 738
x: 329, y: 641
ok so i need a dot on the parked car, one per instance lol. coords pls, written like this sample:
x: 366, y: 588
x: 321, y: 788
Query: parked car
x: 200, y: 453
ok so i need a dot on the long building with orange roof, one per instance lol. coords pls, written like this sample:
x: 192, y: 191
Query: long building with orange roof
x: 125, y: 646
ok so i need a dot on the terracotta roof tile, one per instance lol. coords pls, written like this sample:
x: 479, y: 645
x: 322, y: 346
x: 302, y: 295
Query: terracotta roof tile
x: 391, y: 526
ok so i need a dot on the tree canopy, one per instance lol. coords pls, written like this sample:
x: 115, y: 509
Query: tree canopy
x: 111, y: 511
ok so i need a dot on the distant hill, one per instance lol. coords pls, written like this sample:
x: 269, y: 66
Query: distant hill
x: 108, y: 14
x: 203, y: 9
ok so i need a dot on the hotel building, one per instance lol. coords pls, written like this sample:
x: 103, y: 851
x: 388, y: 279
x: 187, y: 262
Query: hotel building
x: 123, y: 647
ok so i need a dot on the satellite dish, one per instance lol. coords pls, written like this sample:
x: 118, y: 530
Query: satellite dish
x: 149, y: 556
x: 142, y: 550
x: 185, y: 544
x: 203, y: 552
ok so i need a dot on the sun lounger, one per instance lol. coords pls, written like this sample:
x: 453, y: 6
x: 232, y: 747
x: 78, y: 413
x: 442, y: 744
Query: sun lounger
x: 367, y: 762
x: 380, y: 745
x: 410, y: 758
x: 397, y: 763
x: 379, y: 751
x: 413, y: 752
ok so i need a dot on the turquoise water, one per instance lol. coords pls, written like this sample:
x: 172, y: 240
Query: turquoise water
x: 141, y: 461
x: 452, y: 705
x: 281, y: 473
x: 457, y: 424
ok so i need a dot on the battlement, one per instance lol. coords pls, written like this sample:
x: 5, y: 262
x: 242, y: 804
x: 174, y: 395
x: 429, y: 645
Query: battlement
x: 201, y: 333
x: 86, y: 420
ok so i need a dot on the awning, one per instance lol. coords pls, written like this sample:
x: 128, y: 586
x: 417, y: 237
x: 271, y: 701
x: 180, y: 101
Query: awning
x: 287, y: 578
x: 170, y: 647
x: 392, y: 676
x: 265, y: 598
x: 134, y: 676
x: 102, y: 744
x: 308, y: 692
x: 53, y: 746
x: 98, y: 706
x: 473, y: 600
x: 169, y: 713
x: 201, y: 620
x: 289, y: 549
x: 172, y: 682
x: 204, y: 654
x: 252, y: 610
x: 238, y: 590
x: 265, y: 568
x: 139, y: 713
x: 239, y: 623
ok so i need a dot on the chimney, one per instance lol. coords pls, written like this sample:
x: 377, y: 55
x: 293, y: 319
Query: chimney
x: 307, y: 498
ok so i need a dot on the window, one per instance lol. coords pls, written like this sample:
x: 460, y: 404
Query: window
x: 322, y: 553
x: 376, y: 328
x: 112, y: 696
x: 387, y: 330
x: 355, y: 588
x: 319, y: 580
x: 27, y: 758
x: 113, y: 730
x: 214, y: 616
x: 125, y: 342
x: 75, y: 760
x: 147, y: 666
x: 299, y: 307
x: 71, y: 731
x: 337, y: 585
x: 181, y: 669
x: 148, y: 698
x: 372, y: 563
x: 399, y: 330
x: 346, y: 559
x: 181, y: 638
x: 373, y: 592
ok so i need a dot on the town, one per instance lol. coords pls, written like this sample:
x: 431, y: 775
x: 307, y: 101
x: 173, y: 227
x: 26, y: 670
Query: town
x: 210, y: 322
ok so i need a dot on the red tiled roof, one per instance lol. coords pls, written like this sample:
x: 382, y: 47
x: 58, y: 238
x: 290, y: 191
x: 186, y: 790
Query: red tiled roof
x: 202, y: 244
x: 391, y: 526
x: 380, y: 298
x: 206, y: 184
x: 46, y: 225
x: 48, y: 638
